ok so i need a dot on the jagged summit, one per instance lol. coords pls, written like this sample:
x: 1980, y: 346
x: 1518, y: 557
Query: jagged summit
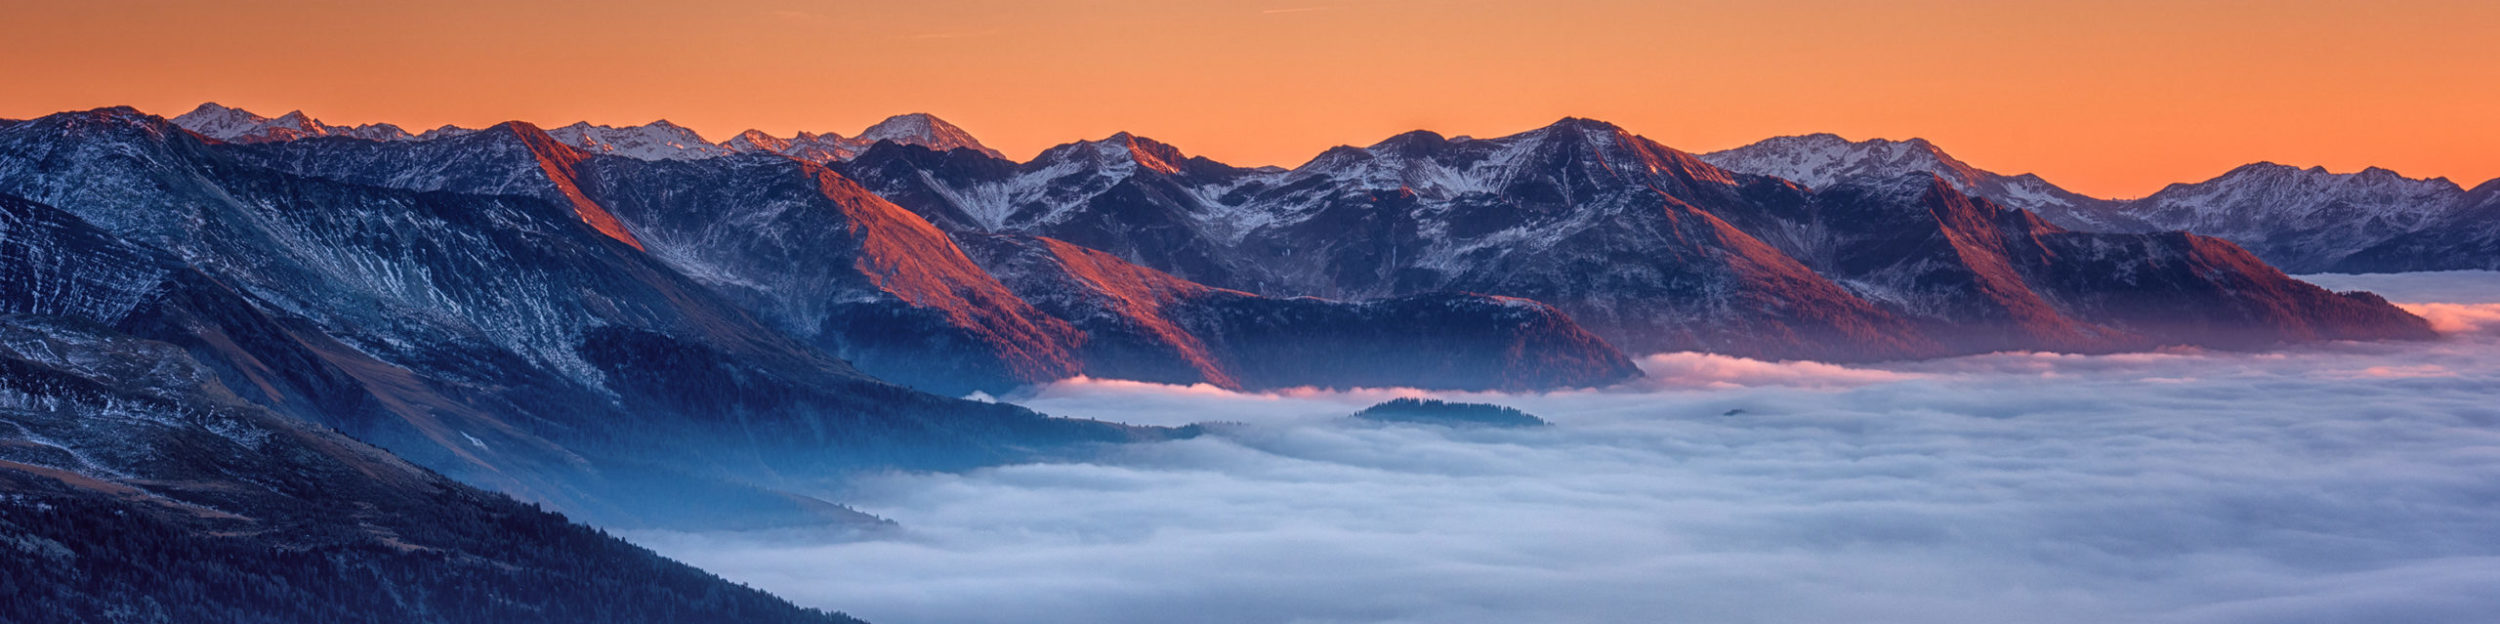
x: 756, y: 141
x: 2367, y: 177
x: 235, y: 125
x: 2304, y: 219
x: 658, y: 140
x: 917, y: 129
x: 1582, y: 124
x: 1120, y: 151
x: 1824, y: 159
x: 653, y: 141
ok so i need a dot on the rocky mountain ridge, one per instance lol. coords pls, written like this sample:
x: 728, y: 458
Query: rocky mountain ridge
x: 2305, y: 220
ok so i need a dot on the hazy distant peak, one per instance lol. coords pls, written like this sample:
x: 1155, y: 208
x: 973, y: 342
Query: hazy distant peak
x: 235, y: 125
x: 653, y: 141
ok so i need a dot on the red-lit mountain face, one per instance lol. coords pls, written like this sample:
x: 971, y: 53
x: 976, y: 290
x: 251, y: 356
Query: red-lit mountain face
x: 1144, y: 324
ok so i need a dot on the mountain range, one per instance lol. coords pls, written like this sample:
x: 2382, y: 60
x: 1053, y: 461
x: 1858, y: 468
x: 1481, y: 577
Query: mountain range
x: 2302, y: 220
x: 206, y: 317
x: 656, y: 140
x: 1648, y: 248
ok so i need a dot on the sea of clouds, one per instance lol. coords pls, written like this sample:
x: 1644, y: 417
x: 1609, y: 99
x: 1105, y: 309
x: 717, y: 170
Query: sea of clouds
x: 2331, y: 483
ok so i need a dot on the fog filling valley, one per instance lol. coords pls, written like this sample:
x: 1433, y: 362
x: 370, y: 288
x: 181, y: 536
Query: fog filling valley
x: 2330, y: 483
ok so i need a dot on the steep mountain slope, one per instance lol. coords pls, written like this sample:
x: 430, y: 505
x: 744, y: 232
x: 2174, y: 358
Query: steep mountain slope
x: 505, y: 340
x: 1128, y: 195
x: 828, y: 262
x: 808, y: 253
x: 134, y: 487
x: 1148, y: 325
x: 1985, y: 277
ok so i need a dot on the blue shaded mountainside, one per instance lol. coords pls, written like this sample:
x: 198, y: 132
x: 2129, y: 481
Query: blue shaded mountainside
x: 502, y: 340
x: 135, y: 488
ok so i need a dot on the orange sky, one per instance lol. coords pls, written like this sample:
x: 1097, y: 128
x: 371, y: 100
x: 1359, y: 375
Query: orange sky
x: 2105, y: 97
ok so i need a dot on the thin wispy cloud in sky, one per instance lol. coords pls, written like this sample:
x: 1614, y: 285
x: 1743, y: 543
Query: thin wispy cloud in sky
x: 2337, y: 483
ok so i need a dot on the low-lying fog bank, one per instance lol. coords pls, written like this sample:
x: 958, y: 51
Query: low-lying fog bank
x: 2334, y: 483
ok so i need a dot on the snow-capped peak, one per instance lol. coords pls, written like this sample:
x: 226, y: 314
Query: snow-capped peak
x: 235, y: 125
x: 220, y: 122
x: 808, y: 146
x: 924, y: 130
x: 657, y: 140
x: 756, y: 141
x: 919, y: 129
x: 2266, y: 189
x: 1824, y: 159
x: 2303, y: 219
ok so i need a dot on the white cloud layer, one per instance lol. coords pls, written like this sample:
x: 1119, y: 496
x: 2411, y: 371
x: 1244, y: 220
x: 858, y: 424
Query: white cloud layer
x: 2340, y: 483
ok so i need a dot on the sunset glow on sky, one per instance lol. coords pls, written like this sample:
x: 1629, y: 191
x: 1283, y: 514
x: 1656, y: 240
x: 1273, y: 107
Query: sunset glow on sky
x: 2111, y: 98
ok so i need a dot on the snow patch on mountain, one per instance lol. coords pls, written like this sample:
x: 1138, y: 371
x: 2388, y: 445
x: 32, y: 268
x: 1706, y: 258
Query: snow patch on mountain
x: 236, y: 125
x: 1824, y: 159
x: 2304, y: 220
x: 924, y: 130
x: 920, y: 129
x: 658, y: 140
